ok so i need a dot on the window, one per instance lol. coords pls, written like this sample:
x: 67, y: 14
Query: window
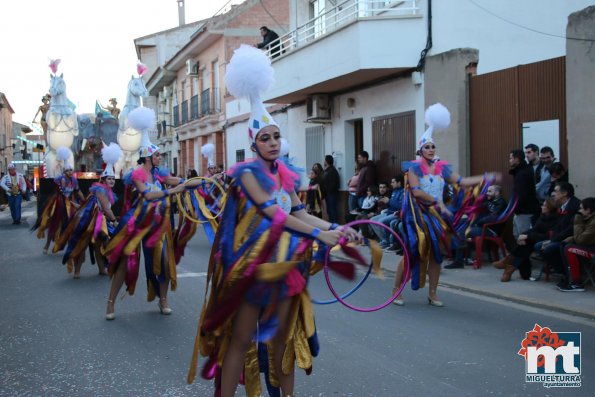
x: 240, y: 155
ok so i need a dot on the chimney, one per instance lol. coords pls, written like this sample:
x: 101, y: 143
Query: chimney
x: 181, y: 16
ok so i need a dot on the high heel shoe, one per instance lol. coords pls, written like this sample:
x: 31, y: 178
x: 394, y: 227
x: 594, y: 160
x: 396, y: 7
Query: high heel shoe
x: 435, y: 302
x: 399, y: 302
x: 112, y: 315
x: 165, y: 310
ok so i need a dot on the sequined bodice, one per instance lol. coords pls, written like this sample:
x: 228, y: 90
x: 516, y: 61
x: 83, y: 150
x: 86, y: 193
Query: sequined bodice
x: 283, y: 200
x: 432, y: 185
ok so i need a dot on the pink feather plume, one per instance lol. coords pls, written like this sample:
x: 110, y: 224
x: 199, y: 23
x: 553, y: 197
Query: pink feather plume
x: 54, y: 65
x: 141, y: 69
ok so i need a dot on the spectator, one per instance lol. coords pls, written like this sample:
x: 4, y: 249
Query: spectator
x: 314, y: 194
x: 368, y: 210
x: 569, y: 206
x: 494, y: 207
x: 546, y: 159
x: 526, y: 242
x: 15, y: 187
x: 532, y: 154
x: 330, y: 187
x: 270, y: 42
x: 352, y: 183
x: 390, y: 213
x: 581, y: 244
x: 557, y: 174
x: 367, y: 176
x: 524, y: 191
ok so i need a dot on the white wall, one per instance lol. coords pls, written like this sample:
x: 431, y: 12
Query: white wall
x: 394, y: 97
x: 460, y: 23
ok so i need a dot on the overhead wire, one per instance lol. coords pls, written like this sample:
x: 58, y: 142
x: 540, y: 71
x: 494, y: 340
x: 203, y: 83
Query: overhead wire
x: 526, y: 27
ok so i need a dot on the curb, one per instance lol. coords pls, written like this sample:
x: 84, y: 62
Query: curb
x: 523, y: 301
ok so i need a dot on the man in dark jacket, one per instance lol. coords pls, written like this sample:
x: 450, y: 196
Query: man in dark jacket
x: 330, y: 187
x: 569, y: 206
x: 524, y: 190
x: 367, y: 176
x: 270, y: 40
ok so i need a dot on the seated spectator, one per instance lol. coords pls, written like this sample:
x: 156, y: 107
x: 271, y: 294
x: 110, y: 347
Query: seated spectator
x: 520, y: 255
x: 313, y: 194
x: 581, y: 244
x: 383, y: 197
x: 390, y: 213
x: 569, y: 205
x: 368, y: 210
x: 493, y: 208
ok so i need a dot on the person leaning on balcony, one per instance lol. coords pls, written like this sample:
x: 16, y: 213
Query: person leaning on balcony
x: 270, y: 41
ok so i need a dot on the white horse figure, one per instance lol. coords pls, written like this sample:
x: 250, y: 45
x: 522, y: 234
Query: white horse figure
x: 128, y: 138
x: 62, y: 125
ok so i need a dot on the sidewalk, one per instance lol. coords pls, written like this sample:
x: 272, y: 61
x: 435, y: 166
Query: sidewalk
x: 486, y: 281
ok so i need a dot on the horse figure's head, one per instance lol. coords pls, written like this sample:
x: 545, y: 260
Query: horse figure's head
x: 137, y: 87
x: 57, y: 85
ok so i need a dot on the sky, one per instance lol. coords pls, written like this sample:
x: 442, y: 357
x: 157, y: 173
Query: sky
x: 93, y: 39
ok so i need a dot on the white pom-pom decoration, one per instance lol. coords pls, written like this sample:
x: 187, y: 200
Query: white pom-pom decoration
x: 437, y: 116
x: 63, y: 153
x: 207, y: 149
x: 142, y: 119
x: 111, y: 154
x: 284, y: 147
x: 249, y: 72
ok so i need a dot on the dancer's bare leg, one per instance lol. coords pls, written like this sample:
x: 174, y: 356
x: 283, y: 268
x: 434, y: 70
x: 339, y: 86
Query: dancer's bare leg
x: 101, y: 262
x: 434, y: 274
x: 78, y: 262
x: 46, y: 247
x: 286, y: 381
x: 244, y: 326
x: 163, y: 288
x: 399, y: 277
x: 117, y: 281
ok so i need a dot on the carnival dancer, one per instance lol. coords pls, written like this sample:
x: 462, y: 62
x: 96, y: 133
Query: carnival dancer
x: 428, y: 224
x: 147, y: 222
x: 94, y: 222
x: 260, y: 260
x: 60, y: 207
x: 15, y: 186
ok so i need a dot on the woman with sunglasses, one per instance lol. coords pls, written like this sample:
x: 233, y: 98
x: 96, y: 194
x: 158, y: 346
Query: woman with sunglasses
x: 258, y: 308
x: 427, y: 222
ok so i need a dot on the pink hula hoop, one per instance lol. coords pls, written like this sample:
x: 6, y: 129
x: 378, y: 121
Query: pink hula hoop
x: 343, y: 241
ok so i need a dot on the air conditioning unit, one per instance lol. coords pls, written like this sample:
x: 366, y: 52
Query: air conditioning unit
x: 318, y: 108
x: 191, y: 68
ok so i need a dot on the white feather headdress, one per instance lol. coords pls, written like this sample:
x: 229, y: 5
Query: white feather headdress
x: 110, y: 154
x: 249, y: 74
x: 143, y: 119
x: 63, y: 155
x: 437, y: 117
x: 208, y: 150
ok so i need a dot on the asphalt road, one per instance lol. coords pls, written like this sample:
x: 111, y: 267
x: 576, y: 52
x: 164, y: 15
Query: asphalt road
x: 54, y: 340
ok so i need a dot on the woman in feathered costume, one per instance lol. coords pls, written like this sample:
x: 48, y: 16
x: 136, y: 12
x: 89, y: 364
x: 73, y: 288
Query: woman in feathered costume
x: 428, y: 223
x: 260, y: 260
x: 94, y: 222
x: 147, y: 222
x: 60, y: 207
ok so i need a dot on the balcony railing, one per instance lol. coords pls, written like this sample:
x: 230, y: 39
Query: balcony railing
x: 194, y: 113
x: 184, y: 112
x: 176, y: 111
x: 342, y: 14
